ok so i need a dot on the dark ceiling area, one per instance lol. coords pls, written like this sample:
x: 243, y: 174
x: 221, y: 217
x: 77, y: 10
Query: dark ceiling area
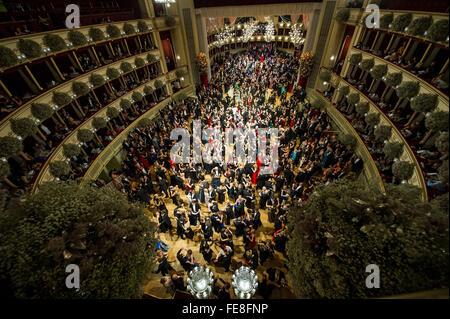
x: 225, y: 3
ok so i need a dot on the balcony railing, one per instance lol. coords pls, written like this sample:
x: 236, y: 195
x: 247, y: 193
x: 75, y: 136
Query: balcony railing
x: 115, y: 146
x: 154, y: 24
x: 371, y: 171
x: 57, y: 154
x: 426, y: 87
x: 25, y: 109
x: 408, y: 155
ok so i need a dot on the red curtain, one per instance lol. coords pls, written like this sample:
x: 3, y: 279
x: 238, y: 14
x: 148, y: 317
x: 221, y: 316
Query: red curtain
x: 167, y: 47
x: 204, y: 79
x: 302, y: 82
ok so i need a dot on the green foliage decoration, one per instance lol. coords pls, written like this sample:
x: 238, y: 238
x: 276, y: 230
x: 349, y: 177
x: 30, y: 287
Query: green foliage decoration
x: 353, y: 98
x: 394, y: 79
x: 80, y: 88
x: 441, y: 143
x: 7, y: 57
x: 23, y: 127
x: 96, y: 79
x: 346, y: 225
x: 401, y: 22
x: 10, y: 146
x: 362, y: 108
x: 424, y: 102
x: 125, y: 104
x: 139, y: 62
x: 61, y: 98
x: 342, y: 15
x: 437, y: 121
x: 128, y: 28
x: 393, y: 150
x: 408, y: 89
x: 84, y: 135
x: 31, y: 49
x: 142, y: 26
x: 99, y: 122
x: 112, y: 73
x: 403, y: 170
x: 112, y: 112
x: 41, y: 111
x: 111, y: 240
x: 137, y: 96
x: 169, y: 21
x: 419, y: 25
x: 59, y: 169
x: 54, y: 42
x: 71, y: 150
x: 126, y: 67
x: 349, y: 140
x: 438, y: 31
x: 77, y: 38
x: 113, y: 31
x: 96, y: 34
x: 383, y: 132
x: 372, y: 119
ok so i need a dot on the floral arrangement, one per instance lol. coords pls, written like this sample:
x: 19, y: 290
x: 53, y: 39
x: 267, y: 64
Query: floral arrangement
x: 202, y: 64
x: 306, y: 64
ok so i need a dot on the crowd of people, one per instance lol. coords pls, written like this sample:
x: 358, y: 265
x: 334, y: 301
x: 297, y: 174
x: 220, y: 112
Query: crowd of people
x: 217, y: 209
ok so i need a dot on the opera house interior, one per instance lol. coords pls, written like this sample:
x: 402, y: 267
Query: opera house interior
x: 224, y: 149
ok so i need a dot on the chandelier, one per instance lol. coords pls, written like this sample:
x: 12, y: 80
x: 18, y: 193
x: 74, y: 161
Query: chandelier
x: 224, y: 36
x: 245, y: 282
x: 296, y: 34
x: 249, y: 30
x: 269, y: 35
x: 199, y: 282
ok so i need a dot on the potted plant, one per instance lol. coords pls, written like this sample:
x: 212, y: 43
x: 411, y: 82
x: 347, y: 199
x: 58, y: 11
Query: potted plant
x: 126, y: 67
x: 96, y: 79
x: 142, y: 26
x: 80, y: 88
x: 342, y: 15
x: 128, y: 28
x: 77, y: 38
x: 61, y: 98
x: 403, y: 170
x: 54, y: 42
x: 113, y: 31
x: 112, y: 73
x: 71, y: 150
x: 139, y: 62
x: 383, y: 132
x: 31, y: 49
x: 84, y: 135
x: 96, y: 34
x: 438, y: 31
x: 393, y: 150
x: 59, y: 169
x: 169, y: 21
x: 10, y: 146
x: 23, y: 127
x: 7, y: 57
x: 41, y: 111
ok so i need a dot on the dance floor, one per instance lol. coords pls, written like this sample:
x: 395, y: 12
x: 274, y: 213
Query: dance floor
x: 154, y: 286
